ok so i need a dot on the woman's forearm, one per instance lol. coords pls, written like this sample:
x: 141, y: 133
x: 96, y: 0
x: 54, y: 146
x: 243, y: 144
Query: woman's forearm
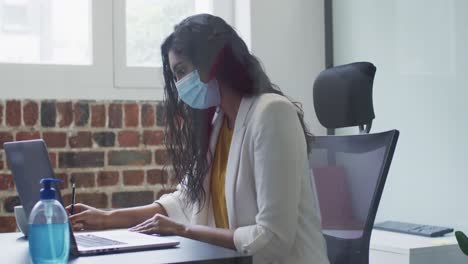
x: 216, y: 236
x: 128, y: 217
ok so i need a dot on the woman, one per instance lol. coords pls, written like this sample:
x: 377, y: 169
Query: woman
x: 239, y: 151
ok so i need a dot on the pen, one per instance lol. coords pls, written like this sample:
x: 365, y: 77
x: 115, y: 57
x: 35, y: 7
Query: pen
x: 72, y: 196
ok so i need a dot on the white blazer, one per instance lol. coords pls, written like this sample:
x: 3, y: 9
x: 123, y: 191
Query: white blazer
x: 271, y: 201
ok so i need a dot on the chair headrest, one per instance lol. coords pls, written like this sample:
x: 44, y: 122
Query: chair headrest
x: 343, y: 95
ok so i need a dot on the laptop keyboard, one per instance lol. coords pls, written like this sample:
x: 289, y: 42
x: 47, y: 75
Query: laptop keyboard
x: 95, y: 241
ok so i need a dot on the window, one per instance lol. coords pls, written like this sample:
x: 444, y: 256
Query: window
x: 139, y: 28
x: 45, y: 31
x: 147, y: 24
x: 85, y: 49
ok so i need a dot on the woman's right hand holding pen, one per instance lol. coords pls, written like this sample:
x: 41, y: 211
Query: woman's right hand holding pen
x: 87, y: 218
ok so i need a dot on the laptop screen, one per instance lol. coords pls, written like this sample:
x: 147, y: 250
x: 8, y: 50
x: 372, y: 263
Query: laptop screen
x: 29, y: 163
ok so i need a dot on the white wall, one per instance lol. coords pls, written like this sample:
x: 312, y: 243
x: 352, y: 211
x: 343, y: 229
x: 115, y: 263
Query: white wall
x: 288, y: 37
x: 419, y: 48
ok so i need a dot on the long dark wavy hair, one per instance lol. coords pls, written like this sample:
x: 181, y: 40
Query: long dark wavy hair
x: 217, y: 51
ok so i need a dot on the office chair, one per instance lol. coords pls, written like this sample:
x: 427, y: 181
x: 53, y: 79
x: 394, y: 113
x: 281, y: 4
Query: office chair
x: 349, y: 171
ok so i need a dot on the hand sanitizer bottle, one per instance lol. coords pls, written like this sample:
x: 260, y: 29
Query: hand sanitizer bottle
x: 49, y: 234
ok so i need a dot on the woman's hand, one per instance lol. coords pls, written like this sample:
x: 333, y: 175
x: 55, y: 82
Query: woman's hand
x: 87, y: 218
x: 163, y: 225
x: 160, y: 224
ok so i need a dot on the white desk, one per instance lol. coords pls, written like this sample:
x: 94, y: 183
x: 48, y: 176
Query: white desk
x: 396, y: 248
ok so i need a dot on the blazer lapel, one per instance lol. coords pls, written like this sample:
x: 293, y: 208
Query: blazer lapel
x: 232, y: 167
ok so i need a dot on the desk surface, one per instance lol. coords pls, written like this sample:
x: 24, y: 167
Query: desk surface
x: 404, y: 243
x: 396, y: 248
x: 15, y: 250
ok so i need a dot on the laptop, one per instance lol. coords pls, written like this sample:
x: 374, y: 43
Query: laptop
x: 29, y: 163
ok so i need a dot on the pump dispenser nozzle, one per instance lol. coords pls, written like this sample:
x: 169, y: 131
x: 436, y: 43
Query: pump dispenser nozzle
x: 48, y: 192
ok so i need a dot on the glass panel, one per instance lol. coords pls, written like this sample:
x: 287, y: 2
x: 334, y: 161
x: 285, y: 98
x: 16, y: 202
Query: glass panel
x: 45, y: 31
x: 148, y: 23
x: 420, y: 50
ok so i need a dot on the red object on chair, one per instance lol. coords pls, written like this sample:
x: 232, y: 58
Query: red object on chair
x: 333, y: 191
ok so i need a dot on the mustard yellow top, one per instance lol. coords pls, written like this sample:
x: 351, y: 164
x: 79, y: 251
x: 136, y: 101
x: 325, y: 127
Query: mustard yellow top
x: 218, y: 176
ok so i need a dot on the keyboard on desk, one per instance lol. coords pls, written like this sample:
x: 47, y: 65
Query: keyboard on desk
x: 413, y: 229
x: 89, y: 240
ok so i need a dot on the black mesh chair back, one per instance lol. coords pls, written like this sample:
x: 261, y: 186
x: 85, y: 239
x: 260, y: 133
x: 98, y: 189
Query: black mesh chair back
x: 343, y: 96
x: 349, y: 173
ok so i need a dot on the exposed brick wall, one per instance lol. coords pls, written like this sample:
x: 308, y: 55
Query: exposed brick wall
x: 113, y: 149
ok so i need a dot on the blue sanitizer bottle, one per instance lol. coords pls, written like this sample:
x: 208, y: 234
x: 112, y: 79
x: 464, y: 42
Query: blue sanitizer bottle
x: 49, y: 235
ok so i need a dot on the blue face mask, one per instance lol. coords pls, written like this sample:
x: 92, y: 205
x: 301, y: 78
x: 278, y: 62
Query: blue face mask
x: 197, y: 94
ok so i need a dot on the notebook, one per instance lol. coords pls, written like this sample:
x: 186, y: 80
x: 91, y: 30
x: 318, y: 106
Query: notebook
x: 29, y: 163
